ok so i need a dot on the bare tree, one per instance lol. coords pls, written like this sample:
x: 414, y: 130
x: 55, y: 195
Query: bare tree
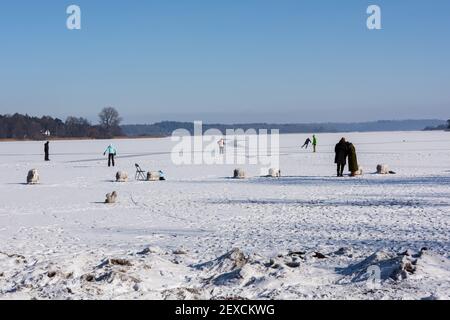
x: 110, y: 120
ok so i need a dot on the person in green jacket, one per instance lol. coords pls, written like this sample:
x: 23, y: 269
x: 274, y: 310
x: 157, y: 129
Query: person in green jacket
x: 352, y: 159
x: 314, y: 143
x: 111, y: 151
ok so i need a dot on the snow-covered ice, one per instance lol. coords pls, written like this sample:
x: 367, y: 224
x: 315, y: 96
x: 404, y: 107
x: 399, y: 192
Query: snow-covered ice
x: 200, y: 235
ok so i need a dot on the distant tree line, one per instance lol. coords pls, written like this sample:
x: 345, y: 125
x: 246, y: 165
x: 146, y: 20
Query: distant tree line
x: 441, y: 127
x: 167, y: 127
x: 19, y: 126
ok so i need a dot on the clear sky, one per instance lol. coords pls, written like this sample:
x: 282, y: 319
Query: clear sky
x: 227, y: 60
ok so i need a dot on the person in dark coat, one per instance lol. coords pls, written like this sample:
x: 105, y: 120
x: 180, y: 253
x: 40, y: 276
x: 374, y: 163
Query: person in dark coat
x: 340, y: 159
x: 352, y: 159
x: 306, y: 144
x: 47, y: 150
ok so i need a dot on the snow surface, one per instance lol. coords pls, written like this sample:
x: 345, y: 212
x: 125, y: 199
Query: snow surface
x: 201, y: 235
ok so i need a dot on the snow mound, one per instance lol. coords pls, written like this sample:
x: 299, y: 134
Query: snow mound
x: 239, y: 174
x: 121, y: 176
x: 274, y: 173
x: 33, y: 177
x: 182, y: 294
x: 111, y: 197
x: 151, y: 250
x: 382, y: 169
x: 344, y: 251
x: 232, y: 260
x: 430, y: 264
x: 153, y: 176
x: 127, y: 275
x: 231, y: 269
x: 235, y: 269
x: 391, y: 266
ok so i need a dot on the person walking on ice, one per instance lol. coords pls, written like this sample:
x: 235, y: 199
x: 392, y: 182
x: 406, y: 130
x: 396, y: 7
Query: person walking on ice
x: 221, y: 144
x: 306, y: 144
x: 340, y: 159
x: 47, y: 150
x: 314, y: 143
x: 112, y: 152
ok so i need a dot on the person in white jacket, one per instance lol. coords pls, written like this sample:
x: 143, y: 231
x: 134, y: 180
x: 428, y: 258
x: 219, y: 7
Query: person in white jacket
x: 221, y: 144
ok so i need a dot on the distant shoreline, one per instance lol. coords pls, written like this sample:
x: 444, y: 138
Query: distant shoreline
x: 78, y: 139
x: 26, y: 128
x: 166, y: 128
x: 162, y: 137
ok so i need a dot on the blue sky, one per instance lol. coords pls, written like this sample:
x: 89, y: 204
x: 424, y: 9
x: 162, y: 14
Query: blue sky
x: 227, y: 60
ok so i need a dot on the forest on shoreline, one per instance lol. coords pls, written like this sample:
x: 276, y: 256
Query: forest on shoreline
x: 25, y: 127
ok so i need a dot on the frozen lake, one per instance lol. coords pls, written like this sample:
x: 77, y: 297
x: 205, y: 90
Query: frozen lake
x: 59, y: 240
